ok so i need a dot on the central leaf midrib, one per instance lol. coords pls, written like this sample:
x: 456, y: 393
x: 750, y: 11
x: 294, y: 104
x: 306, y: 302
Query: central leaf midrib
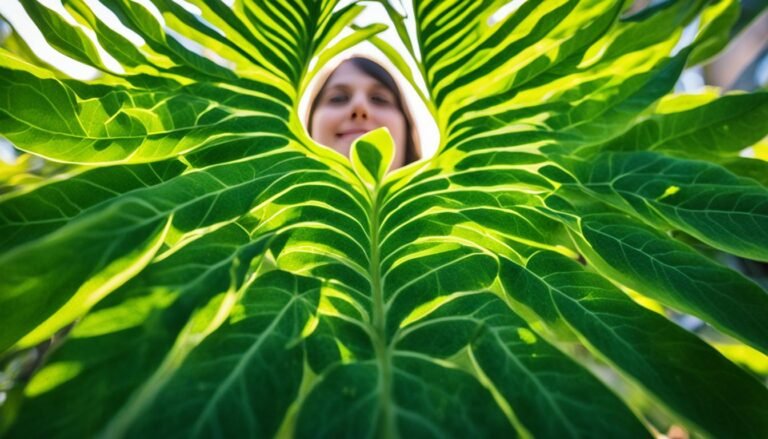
x: 381, y: 348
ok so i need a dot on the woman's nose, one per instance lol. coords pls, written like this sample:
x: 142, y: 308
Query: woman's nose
x: 359, y: 108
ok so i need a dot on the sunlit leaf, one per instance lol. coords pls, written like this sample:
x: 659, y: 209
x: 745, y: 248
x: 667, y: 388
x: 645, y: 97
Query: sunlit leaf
x: 218, y: 273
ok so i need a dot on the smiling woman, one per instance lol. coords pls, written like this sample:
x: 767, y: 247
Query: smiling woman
x: 360, y: 96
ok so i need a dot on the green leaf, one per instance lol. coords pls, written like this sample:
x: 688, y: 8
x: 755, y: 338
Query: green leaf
x: 113, y: 262
x: 722, y: 127
x: 526, y: 372
x: 717, y: 20
x: 677, y: 276
x: 207, y: 269
x: 754, y: 168
x: 428, y: 400
x: 70, y: 40
x: 114, y: 124
x: 132, y: 330
x: 372, y: 155
x: 701, y: 199
x: 257, y: 355
x: 648, y: 348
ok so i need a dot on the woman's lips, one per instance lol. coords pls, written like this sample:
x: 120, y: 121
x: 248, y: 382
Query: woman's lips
x: 350, y: 133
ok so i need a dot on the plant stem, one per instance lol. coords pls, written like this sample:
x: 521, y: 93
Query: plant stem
x: 383, y: 354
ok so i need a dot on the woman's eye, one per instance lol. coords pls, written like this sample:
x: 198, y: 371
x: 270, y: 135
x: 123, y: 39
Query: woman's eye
x: 380, y: 99
x: 337, y: 99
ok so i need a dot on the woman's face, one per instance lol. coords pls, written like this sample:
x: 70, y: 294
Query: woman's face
x: 352, y: 104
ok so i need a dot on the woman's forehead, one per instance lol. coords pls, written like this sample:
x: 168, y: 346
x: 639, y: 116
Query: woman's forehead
x: 347, y: 75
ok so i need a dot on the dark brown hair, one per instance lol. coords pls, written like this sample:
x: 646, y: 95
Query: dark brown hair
x: 380, y: 74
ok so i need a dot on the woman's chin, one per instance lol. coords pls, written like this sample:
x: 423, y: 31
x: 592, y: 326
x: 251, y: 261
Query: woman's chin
x: 344, y: 143
x: 342, y: 147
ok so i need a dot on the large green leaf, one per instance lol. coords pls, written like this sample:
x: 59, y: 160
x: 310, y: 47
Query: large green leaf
x: 699, y: 198
x: 722, y: 127
x: 224, y: 275
x: 641, y: 344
